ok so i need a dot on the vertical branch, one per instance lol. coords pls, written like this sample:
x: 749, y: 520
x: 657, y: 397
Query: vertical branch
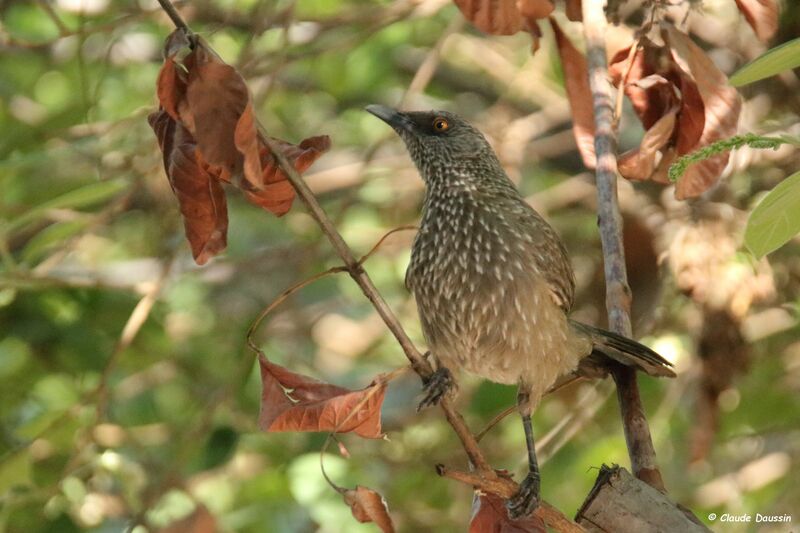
x: 618, y: 294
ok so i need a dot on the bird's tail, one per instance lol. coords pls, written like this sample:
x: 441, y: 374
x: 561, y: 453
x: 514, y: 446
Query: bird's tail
x: 607, y: 345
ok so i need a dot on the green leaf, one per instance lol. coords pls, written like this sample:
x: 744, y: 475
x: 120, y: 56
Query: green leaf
x: 50, y: 237
x: 219, y: 447
x: 776, y: 219
x: 15, y: 470
x: 82, y: 197
x: 778, y: 59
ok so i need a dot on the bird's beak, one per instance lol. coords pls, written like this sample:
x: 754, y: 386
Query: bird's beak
x: 393, y: 117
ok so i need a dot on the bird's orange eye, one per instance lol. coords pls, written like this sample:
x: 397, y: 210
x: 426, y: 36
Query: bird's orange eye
x: 440, y: 124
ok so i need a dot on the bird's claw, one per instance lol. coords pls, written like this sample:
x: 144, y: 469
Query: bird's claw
x: 438, y: 385
x: 524, y: 502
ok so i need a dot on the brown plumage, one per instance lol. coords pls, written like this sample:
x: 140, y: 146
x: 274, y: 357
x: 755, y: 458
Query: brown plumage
x: 492, y: 279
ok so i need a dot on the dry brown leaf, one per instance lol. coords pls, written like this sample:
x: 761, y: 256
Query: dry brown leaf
x: 293, y: 402
x: 656, y: 85
x: 171, y: 82
x: 669, y: 85
x: 277, y: 193
x: 762, y: 15
x: 505, y: 17
x: 489, y: 515
x: 640, y: 163
x: 535, y: 9
x: 536, y: 35
x: 247, y: 141
x: 369, y: 506
x: 722, y: 106
x: 206, y: 103
x: 576, y: 81
x: 200, y: 195
x: 574, y: 10
x: 170, y: 88
x: 219, y: 115
x: 498, y: 17
x: 661, y: 173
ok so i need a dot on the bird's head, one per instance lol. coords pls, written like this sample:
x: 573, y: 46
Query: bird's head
x: 438, y: 140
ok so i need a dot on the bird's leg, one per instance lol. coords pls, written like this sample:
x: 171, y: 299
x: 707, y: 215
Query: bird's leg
x: 437, y: 386
x: 526, y: 500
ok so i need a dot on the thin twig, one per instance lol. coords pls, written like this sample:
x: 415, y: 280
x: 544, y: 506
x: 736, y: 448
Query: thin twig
x: 174, y: 16
x: 129, y: 332
x: 618, y: 294
x: 623, y: 82
x: 496, y: 420
x: 280, y: 299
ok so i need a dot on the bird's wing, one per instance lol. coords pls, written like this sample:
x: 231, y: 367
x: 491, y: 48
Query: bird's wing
x: 550, y: 258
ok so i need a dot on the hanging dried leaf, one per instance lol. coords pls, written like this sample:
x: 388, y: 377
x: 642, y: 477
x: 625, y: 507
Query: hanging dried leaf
x: 504, y: 17
x: 489, y: 515
x: 171, y: 82
x: 492, y: 16
x: 219, y: 115
x: 574, y: 11
x: 722, y: 106
x: 536, y: 35
x: 649, y: 100
x: 762, y: 15
x: 206, y: 102
x: 293, y: 402
x: 369, y: 506
x: 658, y: 87
x: 200, y: 195
x: 535, y: 9
x: 576, y: 81
x: 640, y: 163
x: 277, y: 193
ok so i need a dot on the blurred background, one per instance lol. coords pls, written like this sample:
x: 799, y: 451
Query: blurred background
x: 129, y: 400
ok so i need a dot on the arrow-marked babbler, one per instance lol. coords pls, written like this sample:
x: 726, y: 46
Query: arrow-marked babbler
x: 493, y: 281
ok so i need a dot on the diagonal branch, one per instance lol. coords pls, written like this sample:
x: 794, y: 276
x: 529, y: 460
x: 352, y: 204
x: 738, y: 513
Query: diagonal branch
x: 419, y: 363
x: 618, y: 293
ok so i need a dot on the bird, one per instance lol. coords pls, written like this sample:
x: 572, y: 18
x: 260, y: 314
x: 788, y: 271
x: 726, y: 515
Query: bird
x: 493, y: 282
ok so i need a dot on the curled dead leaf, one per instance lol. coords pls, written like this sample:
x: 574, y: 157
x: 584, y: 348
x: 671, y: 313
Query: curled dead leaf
x: 491, y: 16
x: 656, y: 80
x: 574, y: 11
x: 640, y: 163
x: 489, y: 515
x: 504, y: 17
x: 369, y: 506
x: 721, y: 106
x: 576, y: 81
x: 200, y: 196
x: 535, y: 9
x: 762, y: 15
x: 219, y: 114
x: 277, y: 193
x: 294, y: 402
x: 207, y: 103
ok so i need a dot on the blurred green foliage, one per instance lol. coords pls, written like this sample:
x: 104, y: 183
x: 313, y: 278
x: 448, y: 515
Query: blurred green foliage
x: 128, y: 396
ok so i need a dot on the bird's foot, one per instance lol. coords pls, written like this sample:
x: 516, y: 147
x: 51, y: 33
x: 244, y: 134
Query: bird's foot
x: 438, y: 385
x: 525, y: 502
